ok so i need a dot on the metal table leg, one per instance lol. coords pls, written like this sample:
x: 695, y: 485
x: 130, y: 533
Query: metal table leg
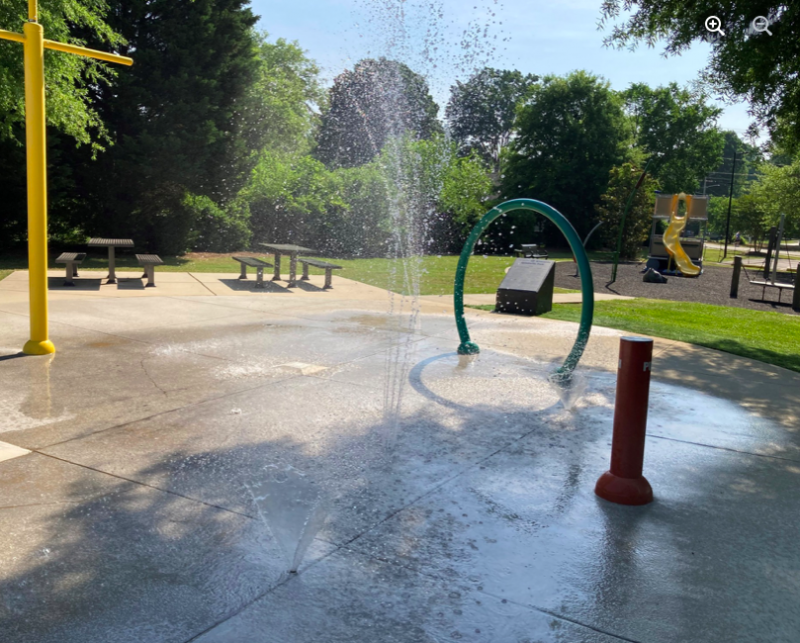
x: 70, y: 274
x: 276, y: 274
x: 112, y: 275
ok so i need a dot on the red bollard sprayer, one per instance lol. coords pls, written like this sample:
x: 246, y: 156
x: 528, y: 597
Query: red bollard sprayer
x: 624, y: 483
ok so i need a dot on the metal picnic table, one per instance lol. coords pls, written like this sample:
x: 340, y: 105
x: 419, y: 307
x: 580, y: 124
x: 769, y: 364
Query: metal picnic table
x: 111, y: 244
x: 290, y: 249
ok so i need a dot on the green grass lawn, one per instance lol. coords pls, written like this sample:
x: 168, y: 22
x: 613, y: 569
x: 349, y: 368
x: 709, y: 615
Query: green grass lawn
x: 435, y: 274
x: 714, y: 255
x: 4, y: 274
x: 769, y: 337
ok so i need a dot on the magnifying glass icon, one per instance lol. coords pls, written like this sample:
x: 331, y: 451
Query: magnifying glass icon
x: 714, y: 25
x: 761, y: 24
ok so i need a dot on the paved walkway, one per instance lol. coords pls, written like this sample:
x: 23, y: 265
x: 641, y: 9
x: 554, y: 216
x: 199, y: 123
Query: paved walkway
x: 164, y: 464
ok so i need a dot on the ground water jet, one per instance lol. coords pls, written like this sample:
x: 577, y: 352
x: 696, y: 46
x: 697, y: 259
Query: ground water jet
x: 292, y: 507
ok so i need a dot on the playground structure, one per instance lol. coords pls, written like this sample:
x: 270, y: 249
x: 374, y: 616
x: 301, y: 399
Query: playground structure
x: 34, y: 44
x: 673, y: 252
x: 467, y: 346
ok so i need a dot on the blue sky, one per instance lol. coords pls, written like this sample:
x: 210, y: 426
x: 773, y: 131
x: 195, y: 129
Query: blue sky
x: 535, y: 36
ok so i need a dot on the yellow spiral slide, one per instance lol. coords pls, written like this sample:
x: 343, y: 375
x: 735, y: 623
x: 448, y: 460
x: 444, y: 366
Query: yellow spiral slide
x: 672, y: 237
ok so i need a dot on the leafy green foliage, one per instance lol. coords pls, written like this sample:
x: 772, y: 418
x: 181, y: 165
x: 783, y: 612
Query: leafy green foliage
x: 778, y: 191
x: 762, y: 68
x: 678, y: 130
x: 570, y: 133
x: 291, y: 197
x: 377, y: 100
x: 465, y: 190
x: 183, y: 120
x: 282, y: 97
x: 748, y: 217
x: 68, y: 78
x: 622, y: 181
x: 215, y: 228
x: 418, y: 193
x: 748, y: 159
x: 481, y: 111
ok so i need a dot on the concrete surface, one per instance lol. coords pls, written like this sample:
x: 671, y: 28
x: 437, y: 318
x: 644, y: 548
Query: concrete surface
x: 458, y: 493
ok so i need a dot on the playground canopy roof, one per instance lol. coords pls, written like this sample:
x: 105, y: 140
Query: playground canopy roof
x: 698, y: 212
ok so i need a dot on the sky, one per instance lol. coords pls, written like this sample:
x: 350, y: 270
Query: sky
x: 533, y: 36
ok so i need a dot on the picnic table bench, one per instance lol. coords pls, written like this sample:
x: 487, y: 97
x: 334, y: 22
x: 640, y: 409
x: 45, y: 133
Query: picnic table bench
x: 72, y: 260
x: 149, y: 263
x: 532, y: 251
x: 258, y: 264
x: 278, y: 249
x: 318, y: 263
x: 96, y: 242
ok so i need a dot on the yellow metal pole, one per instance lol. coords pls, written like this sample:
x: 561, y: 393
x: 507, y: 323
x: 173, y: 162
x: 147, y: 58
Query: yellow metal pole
x: 87, y: 53
x: 39, y: 343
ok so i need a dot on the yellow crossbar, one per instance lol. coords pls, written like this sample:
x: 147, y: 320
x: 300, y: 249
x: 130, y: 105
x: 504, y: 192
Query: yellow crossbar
x: 87, y: 53
x: 10, y: 35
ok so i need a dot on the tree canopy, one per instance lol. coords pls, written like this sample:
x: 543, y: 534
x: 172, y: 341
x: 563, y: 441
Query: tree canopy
x: 68, y: 78
x: 481, y: 111
x: 178, y: 117
x: 745, y: 64
x: 570, y: 132
x: 677, y: 129
x: 621, y: 183
x: 376, y: 100
x: 748, y: 160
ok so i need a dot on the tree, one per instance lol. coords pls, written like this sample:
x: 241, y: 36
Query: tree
x: 481, y: 112
x: 622, y: 181
x: 677, y: 129
x: 293, y: 198
x: 747, y: 216
x: 569, y: 134
x: 748, y: 158
x: 757, y: 66
x: 778, y: 192
x: 378, y: 99
x: 68, y: 78
x: 284, y: 97
x: 181, y: 118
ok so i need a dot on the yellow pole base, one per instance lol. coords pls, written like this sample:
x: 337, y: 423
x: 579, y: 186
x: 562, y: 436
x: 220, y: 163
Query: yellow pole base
x: 38, y: 348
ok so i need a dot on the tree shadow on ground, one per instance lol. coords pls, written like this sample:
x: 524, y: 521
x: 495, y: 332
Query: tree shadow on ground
x: 175, y: 547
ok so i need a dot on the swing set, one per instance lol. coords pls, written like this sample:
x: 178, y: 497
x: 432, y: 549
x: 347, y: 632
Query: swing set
x: 766, y: 275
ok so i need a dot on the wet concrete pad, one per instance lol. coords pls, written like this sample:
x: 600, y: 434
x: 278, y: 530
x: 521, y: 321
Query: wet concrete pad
x: 526, y: 526
x: 94, y: 559
x: 347, y: 597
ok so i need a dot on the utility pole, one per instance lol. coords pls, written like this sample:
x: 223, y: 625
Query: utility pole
x: 730, y: 201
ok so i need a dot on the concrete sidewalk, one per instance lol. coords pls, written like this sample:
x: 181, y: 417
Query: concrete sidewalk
x: 458, y: 493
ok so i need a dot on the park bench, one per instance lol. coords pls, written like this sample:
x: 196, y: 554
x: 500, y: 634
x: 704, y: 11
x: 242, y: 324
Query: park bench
x: 258, y: 264
x: 317, y: 263
x: 73, y: 260
x: 149, y: 263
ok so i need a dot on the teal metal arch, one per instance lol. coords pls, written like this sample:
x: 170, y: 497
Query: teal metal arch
x: 467, y: 346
